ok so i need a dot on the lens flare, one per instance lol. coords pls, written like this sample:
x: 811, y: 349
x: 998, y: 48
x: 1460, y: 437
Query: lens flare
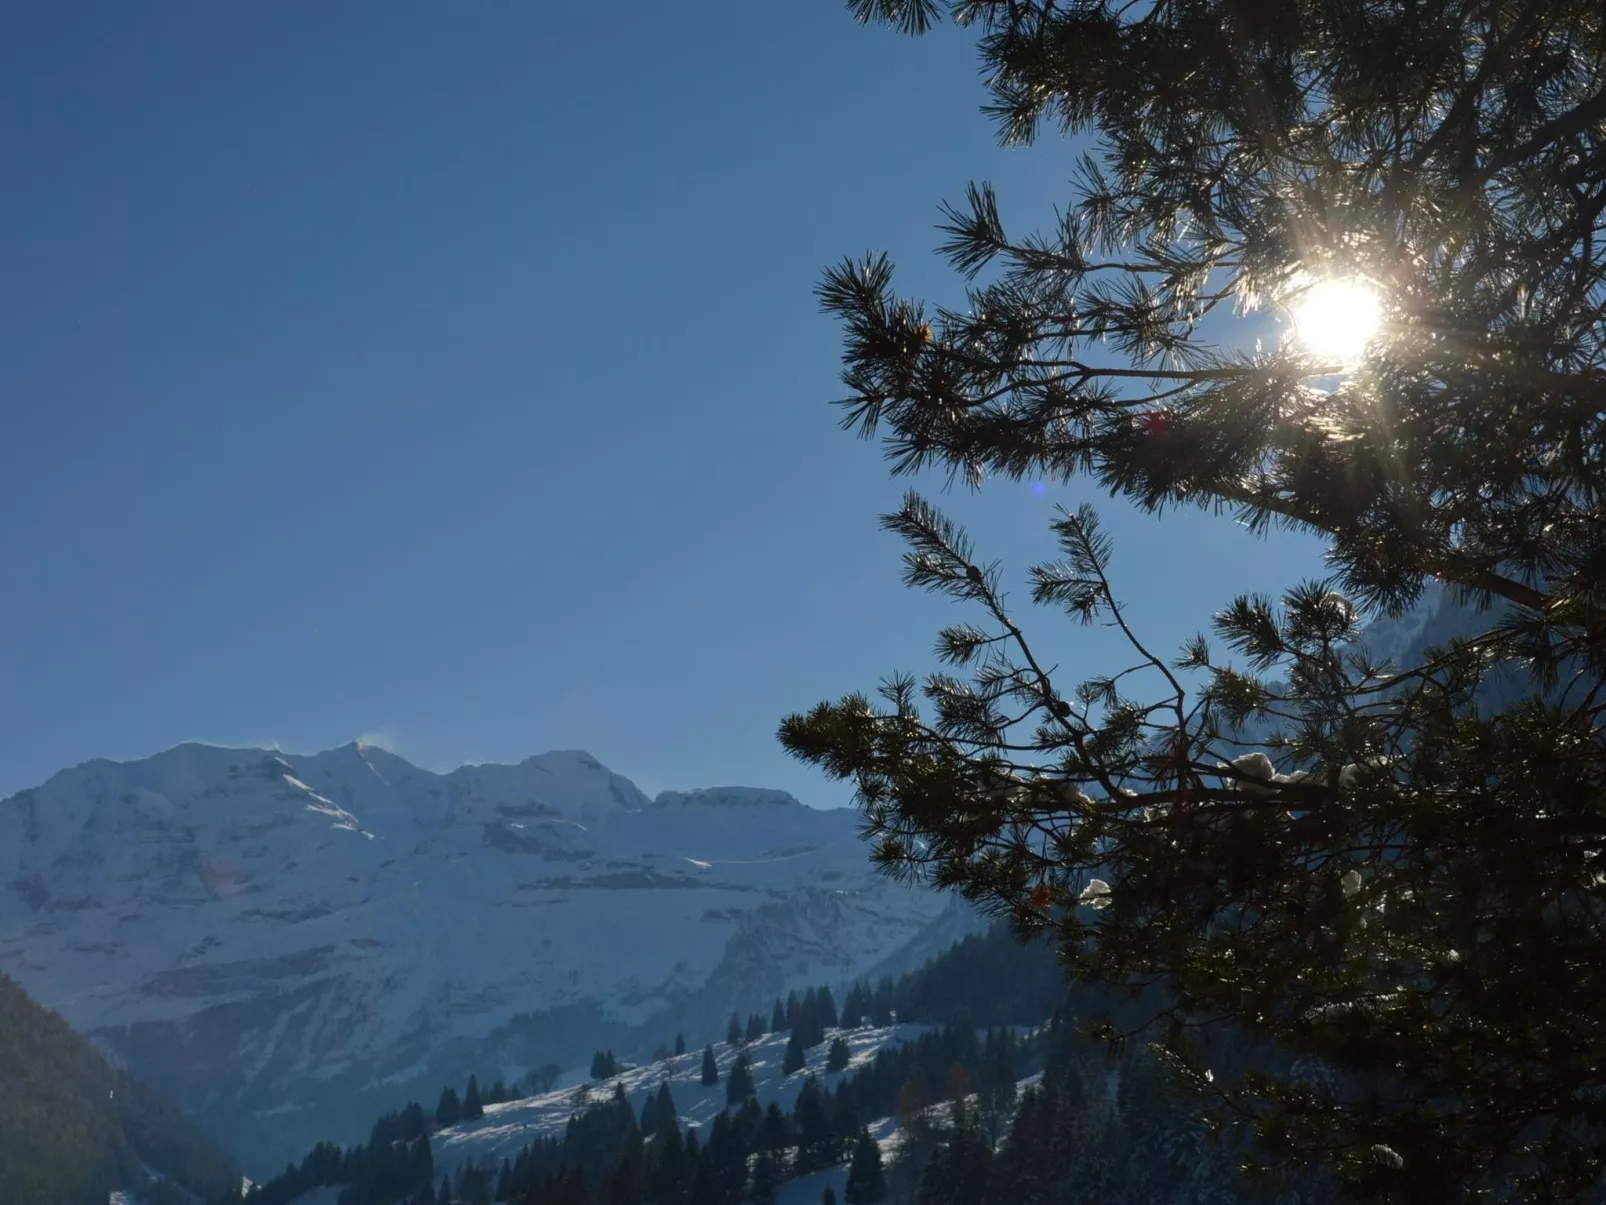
x: 1334, y: 320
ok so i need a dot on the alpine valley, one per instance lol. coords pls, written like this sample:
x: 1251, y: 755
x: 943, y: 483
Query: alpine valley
x: 289, y: 945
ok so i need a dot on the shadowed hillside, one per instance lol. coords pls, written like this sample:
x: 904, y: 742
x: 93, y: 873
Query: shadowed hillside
x: 73, y: 1128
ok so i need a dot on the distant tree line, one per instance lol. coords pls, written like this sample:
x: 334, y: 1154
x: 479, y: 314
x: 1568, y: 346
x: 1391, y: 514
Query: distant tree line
x: 395, y: 1166
x: 613, y: 1154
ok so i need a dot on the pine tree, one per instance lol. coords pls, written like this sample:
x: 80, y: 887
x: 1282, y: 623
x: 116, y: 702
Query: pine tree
x: 727, y: 1150
x: 680, y: 1044
x: 778, y: 1019
x: 853, y: 1007
x: 449, y: 1111
x: 937, y: 1184
x: 866, y: 1179
x: 795, y: 1057
x: 828, y: 1195
x: 825, y: 1003
x: 504, y: 1182
x: 473, y: 1110
x: 664, y: 1105
x: 705, y: 1182
x: 733, y: 1031
x: 996, y: 1090
x: 710, y: 1067
x: 647, y: 1122
x: 766, y: 1178
x: 913, y: 1098
x: 836, y: 1058
x: 755, y: 1027
x: 816, y: 1141
x: 739, y: 1083
x: 624, y: 1186
x: 956, y: 1089
x: 881, y: 1004
x: 791, y: 1010
x: 670, y: 1172
x: 775, y: 1131
x: 1437, y: 169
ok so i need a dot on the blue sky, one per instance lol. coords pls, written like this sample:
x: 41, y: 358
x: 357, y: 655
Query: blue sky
x: 451, y: 375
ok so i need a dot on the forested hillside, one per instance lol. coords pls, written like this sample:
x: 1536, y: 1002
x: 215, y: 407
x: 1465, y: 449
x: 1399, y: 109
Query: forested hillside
x: 73, y: 1128
x: 971, y: 1081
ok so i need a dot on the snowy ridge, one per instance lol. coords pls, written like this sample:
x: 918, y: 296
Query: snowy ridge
x: 266, y: 934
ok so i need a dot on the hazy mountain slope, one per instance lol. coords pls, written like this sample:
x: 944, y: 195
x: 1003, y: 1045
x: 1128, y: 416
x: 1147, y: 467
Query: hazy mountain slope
x: 291, y: 943
x: 73, y: 1129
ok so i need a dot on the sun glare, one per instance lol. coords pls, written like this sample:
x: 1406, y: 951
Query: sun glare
x: 1336, y: 319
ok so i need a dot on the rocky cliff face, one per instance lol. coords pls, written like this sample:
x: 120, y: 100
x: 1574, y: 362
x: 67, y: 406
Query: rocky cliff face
x: 279, y: 941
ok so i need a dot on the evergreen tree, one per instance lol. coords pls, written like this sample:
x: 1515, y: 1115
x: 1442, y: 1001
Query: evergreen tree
x: 739, y: 1083
x: 727, y: 1151
x: 794, y: 1059
x: 937, y: 1184
x: 710, y: 1067
x: 996, y: 1090
x: 680, y: 1044
x: 624, y: 1186
x: 444, y: 1197
x: 473, y: 1109
x: 836, y: 1058
x: 604, y: 1065
x: 670, y: 1169
x: 705, y: 1183
x: 755, y: 1027
x: 1335, y: 849
x: 766, y: 1178
x: 828, y: 1195
x: 853, y: 1006
x: 504, y: 1182
x: 866, y: 1179
x: 956, y: 1089
x: 825, y: 1003
x: 664, y: 1105
x: 449, y: 1111
x: 647, y: 1123
x: 775, y: 1131
x: 792, y: 1005
x: 913, y: 1098
x: 880, y: 1006
x: 733, y: 1031
x: 816, y: 1140
x: 778, y: 1019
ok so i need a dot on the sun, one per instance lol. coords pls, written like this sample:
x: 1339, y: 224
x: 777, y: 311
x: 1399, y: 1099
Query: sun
x: 1335, y: 319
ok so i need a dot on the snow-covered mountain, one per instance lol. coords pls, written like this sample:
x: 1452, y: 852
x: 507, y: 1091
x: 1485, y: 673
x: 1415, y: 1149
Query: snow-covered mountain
x: 284, y: 942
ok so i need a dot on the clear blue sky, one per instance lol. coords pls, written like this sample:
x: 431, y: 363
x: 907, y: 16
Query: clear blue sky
x: 451, y: 374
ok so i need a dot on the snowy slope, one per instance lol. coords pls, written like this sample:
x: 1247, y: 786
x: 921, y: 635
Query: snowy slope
x: 506, y: 1128
x: 265, y: 934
